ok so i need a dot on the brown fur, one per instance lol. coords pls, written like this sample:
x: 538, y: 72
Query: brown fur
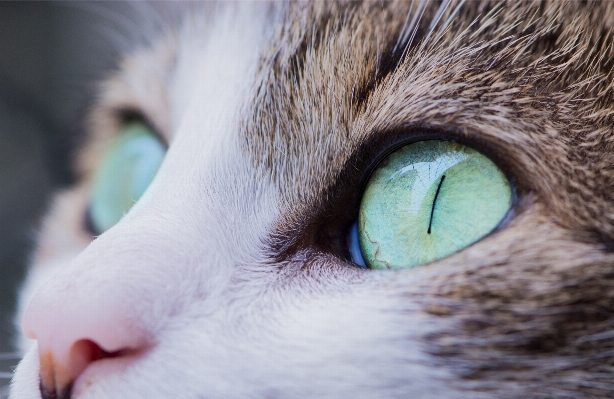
x: 528, y: 83
x: 529, y: 310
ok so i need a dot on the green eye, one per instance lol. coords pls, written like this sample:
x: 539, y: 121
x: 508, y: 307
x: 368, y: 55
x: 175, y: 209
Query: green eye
x: 426, y: 201
x: 126, y: 171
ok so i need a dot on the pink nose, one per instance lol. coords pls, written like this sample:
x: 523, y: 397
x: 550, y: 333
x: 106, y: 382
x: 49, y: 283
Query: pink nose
x: 76, y: 322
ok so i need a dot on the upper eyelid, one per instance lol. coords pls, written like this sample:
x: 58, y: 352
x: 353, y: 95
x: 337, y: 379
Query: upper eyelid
x: 379, y: 144
x: 127, y: 115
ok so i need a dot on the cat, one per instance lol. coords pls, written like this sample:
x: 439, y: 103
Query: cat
x: 237, y: 273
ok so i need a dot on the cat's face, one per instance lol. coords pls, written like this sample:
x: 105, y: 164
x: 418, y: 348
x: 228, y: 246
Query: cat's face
x: 233, y: 277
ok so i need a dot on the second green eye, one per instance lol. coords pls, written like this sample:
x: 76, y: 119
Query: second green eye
x: 428, y: 200
x: 126, y: 171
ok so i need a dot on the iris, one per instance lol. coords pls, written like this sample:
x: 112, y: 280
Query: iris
x: 428, y: 200
x: 127, y: 169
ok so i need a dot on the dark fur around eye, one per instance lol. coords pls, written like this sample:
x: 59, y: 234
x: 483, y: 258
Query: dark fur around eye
x: 331, y: 219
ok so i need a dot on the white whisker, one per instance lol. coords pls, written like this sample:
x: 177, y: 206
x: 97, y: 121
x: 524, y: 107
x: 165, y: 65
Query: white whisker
x: 413, y: 26
x: 415, y: 22
x: 403, y: 29
x: 449, y: 20
x: 129, y: 24
x: 440, y: 12
x: 116, y: 27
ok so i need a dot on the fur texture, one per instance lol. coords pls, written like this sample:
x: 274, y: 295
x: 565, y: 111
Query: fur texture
x: 231, y: 277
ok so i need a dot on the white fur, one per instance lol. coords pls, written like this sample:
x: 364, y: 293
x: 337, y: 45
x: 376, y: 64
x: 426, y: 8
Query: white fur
x: 185, y: 273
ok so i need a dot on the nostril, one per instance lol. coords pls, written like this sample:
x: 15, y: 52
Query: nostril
x: 57, y: 379
x: 94, y: 309
x: 84, y: 352
x: 76, y: 325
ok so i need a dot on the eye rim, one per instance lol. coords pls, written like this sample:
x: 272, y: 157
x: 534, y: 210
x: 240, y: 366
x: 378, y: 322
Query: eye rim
x: 327, y: 225
x: 360, y: 260
x: 125, y: 117
x: 398, y: 137
x: 358, y: 256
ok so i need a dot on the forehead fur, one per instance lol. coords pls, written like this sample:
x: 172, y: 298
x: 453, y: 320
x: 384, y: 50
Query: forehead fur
x: 530, y: 83
x: 536, y: 75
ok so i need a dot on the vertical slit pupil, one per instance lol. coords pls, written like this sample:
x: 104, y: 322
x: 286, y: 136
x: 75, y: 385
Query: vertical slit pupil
x: 434, y: 201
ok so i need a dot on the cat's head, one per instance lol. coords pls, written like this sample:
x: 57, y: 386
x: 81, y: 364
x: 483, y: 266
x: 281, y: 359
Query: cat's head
x: 243, y: 270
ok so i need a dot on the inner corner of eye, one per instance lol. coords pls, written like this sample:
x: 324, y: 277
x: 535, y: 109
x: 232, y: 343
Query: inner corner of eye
x: 354, y: 246
x: 426, y: 201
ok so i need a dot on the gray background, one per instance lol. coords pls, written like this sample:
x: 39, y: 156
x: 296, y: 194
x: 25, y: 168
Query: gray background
x: 51, y: 56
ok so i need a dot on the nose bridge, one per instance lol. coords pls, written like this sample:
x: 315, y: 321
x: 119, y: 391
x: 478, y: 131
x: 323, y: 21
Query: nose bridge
x: 172, y: 252
x: 130, y: 272
x: 99, y: 288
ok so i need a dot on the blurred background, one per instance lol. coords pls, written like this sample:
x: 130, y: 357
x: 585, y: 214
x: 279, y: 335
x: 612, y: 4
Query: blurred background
x: 52, y: 55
